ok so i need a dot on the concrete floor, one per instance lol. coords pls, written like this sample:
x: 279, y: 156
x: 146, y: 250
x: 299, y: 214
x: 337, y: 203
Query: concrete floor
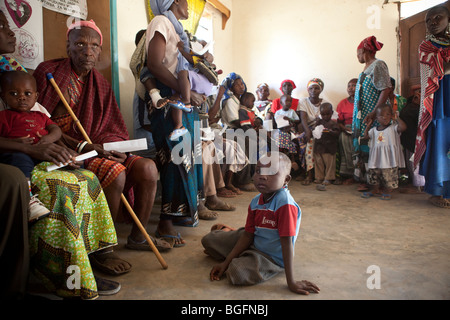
x: 341, y: 236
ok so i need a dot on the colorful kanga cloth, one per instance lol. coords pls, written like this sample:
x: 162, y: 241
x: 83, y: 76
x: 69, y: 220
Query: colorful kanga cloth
x: 10, y: 64
x: 433, y: 138
x: 80, y: 223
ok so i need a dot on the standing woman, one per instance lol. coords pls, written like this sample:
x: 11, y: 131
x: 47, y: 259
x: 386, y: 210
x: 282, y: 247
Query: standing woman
x: 372, y: 90
x: 433, y: 138
x: 181, y: 182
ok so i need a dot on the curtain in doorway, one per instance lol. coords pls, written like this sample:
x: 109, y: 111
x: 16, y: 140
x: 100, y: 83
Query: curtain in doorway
x: 196, y: 8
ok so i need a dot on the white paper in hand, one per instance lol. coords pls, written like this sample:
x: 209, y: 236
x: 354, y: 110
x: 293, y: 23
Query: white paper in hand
x: 81, y: 157
x: 281, y: 123
x: 126, y: 146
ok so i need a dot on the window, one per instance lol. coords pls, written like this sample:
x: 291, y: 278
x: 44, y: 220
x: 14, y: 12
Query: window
x: 410, y: 8
x: 205, y: 29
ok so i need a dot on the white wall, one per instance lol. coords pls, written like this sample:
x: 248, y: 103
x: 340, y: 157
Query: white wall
x: 131, y: 17
x: 270, y: 41
x: 301, y: 39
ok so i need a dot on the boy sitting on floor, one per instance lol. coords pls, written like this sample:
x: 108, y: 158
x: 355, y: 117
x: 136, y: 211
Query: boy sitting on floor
x: 265, y: 246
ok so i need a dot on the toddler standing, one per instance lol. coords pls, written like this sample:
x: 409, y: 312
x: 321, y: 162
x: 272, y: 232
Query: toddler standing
x: 285, y: 142
x: 325, y: 147
x: 385, y: 154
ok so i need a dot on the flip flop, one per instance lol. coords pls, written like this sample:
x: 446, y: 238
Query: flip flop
x: 171, y: 239
x: 207, y: 214
x: 184, y: 222
x: 221, y: 207
x: 306, y: 182
x: 225, y: 193
x: 367, y: 195
x: 177, y: 133
x: 180, y: 105
x: 321, y: 187
x: 105, y: 264
x: 161, y: 245
x: 440, y: 202
x: 385, y: 196
x: 221, y: 227
x: 362, y: 187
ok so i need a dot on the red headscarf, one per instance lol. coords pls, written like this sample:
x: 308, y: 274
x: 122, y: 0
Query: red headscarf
x: 290, y: 81
x: 370, y: 44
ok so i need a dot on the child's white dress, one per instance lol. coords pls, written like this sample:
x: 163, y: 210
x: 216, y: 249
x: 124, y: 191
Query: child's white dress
x: 385, y: 148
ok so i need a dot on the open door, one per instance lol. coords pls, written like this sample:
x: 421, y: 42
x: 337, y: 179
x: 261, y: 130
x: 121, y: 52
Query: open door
x: 412, y: 33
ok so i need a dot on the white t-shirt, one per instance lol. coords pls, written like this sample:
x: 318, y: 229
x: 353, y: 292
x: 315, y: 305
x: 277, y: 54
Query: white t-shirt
x: 163, y: 25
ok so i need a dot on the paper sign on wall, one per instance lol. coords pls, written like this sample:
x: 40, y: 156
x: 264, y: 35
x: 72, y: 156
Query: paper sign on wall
x: 25, y: 20
x: 75, y: 8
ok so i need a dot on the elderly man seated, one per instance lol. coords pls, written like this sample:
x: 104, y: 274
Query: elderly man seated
x: 92, y: 100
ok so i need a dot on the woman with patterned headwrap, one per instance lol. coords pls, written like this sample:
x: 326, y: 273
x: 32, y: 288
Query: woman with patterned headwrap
x: 372, y: 90
x: 309, y: 109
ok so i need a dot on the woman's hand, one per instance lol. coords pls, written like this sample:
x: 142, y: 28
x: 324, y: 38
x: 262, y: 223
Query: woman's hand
x: 102, y: 153
x: 197, y: 99
x: 50, y: 152
x: 25, y: 140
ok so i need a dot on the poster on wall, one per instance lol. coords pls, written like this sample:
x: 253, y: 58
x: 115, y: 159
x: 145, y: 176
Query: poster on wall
x: 74, y: 8
x: 25, y: 20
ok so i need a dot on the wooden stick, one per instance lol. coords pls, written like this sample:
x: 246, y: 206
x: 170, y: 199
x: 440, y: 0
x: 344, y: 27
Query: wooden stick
x: 124, y: 200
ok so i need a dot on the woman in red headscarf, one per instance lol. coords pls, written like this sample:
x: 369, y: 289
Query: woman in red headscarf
x: 287, y: 86
x: 372, y: 90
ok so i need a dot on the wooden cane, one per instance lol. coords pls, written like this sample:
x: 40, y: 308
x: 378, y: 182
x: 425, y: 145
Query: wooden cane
x: 124, y: 200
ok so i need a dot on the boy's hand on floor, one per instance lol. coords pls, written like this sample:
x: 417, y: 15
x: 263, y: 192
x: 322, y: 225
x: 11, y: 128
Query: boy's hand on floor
x: 217, y: 271
x: 303, y: 287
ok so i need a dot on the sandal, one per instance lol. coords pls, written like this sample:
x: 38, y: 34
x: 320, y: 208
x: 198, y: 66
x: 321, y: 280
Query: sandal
x: 226, y: 193
x: 440, y: 202
x: 306, y: 182
x: 207, y: 214
x: 235, y: 190
x: 177, y: 133
x: 223, y: 206
x: 362, y: 187
x: 106, y: 287
x: 385, y: 196
x: 222, y: 227
x: 180, y: 105
x: 171, y: 239
x: 321, y: 187
x: 367, y: 195
x: 184, y: 222
x: 108, y: 263
x: 161, y: 245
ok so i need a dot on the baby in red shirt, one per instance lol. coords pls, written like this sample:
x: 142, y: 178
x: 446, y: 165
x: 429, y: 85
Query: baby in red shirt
x: 19, y: 123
